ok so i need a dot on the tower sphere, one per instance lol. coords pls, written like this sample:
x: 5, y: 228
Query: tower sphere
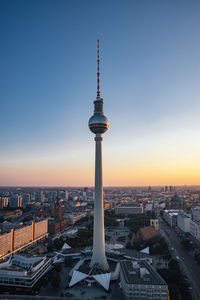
x: 98, y: 123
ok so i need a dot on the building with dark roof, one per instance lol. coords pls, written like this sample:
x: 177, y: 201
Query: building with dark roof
x: 146, y: 236
x: 176, y: 202
x: 141, y: 282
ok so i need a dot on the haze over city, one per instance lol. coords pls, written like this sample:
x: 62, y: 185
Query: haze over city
x: 150, y: 71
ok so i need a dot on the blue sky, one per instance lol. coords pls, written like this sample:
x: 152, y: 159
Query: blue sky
x: 150, y: 71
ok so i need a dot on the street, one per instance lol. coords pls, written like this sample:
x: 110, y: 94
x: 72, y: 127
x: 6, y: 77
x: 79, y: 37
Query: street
x: 186, y: 262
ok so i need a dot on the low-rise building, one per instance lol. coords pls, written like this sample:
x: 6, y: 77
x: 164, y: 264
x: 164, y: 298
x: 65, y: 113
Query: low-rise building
x: 140, y: 281
x: 74, y: 217
x: 128, y: 209
x: 55, y: 226
x: 146, y: 236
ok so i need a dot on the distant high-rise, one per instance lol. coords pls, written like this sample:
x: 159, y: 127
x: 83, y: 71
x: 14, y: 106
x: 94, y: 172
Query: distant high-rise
x: 98, y: 124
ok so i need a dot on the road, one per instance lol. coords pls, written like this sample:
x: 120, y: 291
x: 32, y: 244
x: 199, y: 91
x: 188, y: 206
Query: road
x: 187, y: 265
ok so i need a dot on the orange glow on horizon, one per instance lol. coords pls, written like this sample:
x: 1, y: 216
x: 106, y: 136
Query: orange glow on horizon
x: 83, y: 175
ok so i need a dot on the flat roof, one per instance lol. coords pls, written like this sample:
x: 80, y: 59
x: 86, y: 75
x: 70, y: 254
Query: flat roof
x: 140, y: 272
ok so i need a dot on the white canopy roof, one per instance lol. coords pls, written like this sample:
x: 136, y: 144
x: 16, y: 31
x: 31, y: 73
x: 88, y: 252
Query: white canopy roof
x: 65, y: 246
x: 145, y: 250
x: 76, y: 277
x: 103, y: 280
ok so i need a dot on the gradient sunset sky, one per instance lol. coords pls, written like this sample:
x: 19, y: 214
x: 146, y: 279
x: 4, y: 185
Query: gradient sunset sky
x: 150, y: 83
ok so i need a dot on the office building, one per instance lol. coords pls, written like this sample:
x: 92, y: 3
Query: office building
x: 23, y: 273
x: 183, y: 222
x: 195, y: 229
x: 196, y: 213
x: 141, y: 282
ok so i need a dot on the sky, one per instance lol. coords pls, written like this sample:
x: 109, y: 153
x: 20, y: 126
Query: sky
x: 150, y: 83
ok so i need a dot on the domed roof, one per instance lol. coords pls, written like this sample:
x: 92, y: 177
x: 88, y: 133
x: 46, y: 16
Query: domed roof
x: 176, y: 198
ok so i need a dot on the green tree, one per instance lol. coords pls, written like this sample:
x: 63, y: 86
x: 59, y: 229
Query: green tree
x: 57, y: 267
x: 68, y: 261
x: 55, y: 280
x: 128, y: 245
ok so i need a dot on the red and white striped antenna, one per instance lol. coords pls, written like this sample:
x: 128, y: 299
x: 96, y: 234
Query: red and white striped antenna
x: 98, y: 73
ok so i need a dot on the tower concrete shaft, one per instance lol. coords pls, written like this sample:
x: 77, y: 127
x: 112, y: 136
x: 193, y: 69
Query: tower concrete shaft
x: 99, y: 256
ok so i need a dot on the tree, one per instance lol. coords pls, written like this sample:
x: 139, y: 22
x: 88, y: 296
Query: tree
x: 128, y: 245
x: 173, y: 265
x: 57, y: 267
x: 197, y: 257
x: 58, y: 243
x: 55, y: 280
x: 50, y: 247
x: 68, y: 261
x: 186, y: 244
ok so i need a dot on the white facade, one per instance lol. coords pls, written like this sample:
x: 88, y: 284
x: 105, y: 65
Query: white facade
x: 183, y: 222
x: 195, y: 229
x: 196, y: 213
x: 23, y: 272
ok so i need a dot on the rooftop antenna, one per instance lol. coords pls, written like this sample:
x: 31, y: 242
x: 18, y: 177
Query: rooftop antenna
x: 98, y: 73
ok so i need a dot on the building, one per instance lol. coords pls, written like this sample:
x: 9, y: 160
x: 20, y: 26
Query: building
x: 26, y: 200
x: 15, y: 201
x: 128, y: 209
x: 40, y: 197
x: 18, y: 238
x: 154, y: 223
x: 74, y: 217
x: 171, y: 216
x: 176, y: 202
x: 140, y: 281
x: 183, y: 222
x: 55, y: 226
x: 10, y: 214
x: 57, y: 223
x: 23, y: 273
x: 98, y: 124
x: 58, y: 211
x: 195, y: 229
x: 4, y: 201
x: 196, y: 213
x: 146, y: 235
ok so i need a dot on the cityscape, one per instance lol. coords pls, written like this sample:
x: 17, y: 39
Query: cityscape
x: 99, y: 181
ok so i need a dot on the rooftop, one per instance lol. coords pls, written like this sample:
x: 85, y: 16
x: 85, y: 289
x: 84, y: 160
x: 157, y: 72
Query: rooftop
x: 149, y: 232
x: 21, y: 264
x: 140, y: 272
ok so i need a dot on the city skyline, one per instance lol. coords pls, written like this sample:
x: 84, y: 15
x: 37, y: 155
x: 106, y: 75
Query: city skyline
x: 150, y: 86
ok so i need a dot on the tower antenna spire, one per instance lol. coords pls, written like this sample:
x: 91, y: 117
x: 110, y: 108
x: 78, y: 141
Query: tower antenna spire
x: 98, y: 72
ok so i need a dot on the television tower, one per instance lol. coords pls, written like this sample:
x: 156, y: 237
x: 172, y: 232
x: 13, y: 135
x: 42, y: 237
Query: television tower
x: 98, y: 124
